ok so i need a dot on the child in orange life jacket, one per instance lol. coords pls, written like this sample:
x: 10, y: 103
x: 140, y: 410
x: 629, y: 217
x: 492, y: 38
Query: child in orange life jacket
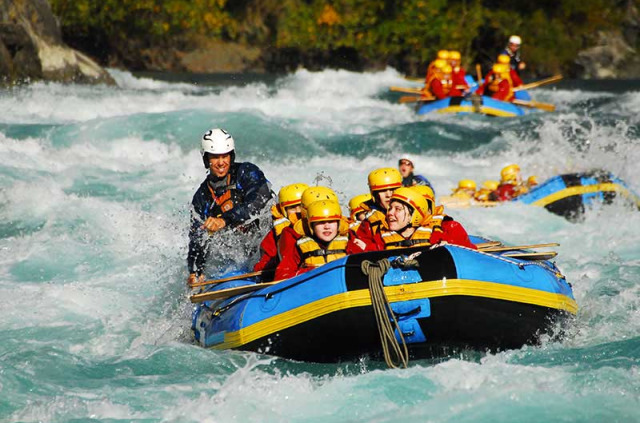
x: 499, y: 84
x: 382, y: 183
x: 322, y: 239
x: 444, y: 227
x: 458, y: 73
x: 466, y: 189
x: 357, y: 212
x: 510, y: 184
x: 441, y: 84
x: 485, y: 190
x: 442, y: 59
x: 285, y: 213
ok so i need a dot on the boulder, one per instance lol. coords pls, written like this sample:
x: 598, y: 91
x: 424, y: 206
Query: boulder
x: 31, y: 47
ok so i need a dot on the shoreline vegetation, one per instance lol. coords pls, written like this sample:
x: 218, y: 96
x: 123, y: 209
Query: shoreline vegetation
x: 577, y: 38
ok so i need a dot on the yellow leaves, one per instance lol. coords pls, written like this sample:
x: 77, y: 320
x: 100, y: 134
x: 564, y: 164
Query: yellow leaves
x: 328, y: 16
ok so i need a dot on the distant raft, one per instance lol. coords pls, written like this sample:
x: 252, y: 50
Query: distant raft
x: 568, y: 195
x: 482, y: 104
x: 446, y: 299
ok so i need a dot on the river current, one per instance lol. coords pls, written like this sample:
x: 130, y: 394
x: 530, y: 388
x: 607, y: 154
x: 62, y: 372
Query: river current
x: 95, y: 185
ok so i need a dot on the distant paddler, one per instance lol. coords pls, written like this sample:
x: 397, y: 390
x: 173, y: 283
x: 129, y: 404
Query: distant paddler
x: 232, y: 194
x: 498, y: 83
x: 511, y: 184
x: 457, y: 73
x: 407, y: 170
x: 441, y: 83
x: 512, y: 51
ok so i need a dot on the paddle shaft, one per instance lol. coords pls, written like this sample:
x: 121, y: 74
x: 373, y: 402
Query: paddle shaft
x: 535, y: 104
x: 532, y: 256
x: 550, y: 80
x: 412, y: 99
x: 230, y: 292
x: 230, y: 278
x: 493, y: 249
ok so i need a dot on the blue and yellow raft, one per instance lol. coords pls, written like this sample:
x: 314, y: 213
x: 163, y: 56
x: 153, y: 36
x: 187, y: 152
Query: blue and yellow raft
x: 570, y: 195
x: 451, y: 298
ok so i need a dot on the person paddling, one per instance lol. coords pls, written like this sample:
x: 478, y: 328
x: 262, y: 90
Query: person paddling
x: 232, y: 195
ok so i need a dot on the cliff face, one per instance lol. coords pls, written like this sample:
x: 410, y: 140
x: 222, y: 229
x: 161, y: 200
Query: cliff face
x: 31, y: 47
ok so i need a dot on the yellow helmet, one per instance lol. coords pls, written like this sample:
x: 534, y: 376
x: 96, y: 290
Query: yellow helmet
x: 532, y: 180
x: 355, y: 203
x: 416, y: 201
x: 510, y: 173
x: 290, y: 195
x: 500, y: 68
x: 447, y: 69
x: 466, y: 184
x: 439, y: 63
x: 490, y: 185
x: 427, y: 193
x: 384, y: 178
x: 454, y: 55
x: 323, y: 211
x: 443, y: 54
x: 504, y: 59
x: 312, y: 194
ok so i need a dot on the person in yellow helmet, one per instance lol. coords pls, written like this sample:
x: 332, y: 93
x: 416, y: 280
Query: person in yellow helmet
x: 485, y: 190
x: 510, y: 184
x: 321, y: 239
x: 356, y: 211
x: 441, y: 84
x: 466, y: 189
x: 382, y: 183
x: 498, y: 83
x: 503, y: 59
x: 285, y: 213
x: 458, y: 74
x: 513, y: 51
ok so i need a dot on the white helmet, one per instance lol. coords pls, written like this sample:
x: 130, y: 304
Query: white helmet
x: 514, y: 39
x: 216, y: 141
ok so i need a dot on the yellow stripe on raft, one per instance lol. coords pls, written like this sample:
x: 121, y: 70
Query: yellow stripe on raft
x: 483, y: 110
x: 361, y: 298
x: 586, y: 189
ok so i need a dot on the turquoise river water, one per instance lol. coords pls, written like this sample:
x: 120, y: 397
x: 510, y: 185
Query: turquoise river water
x: 95, y: 184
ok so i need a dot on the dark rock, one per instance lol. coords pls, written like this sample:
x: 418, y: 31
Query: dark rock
x: 33, y: 47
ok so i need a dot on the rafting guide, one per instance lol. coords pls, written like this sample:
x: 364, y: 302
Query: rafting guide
x: 232, y: 196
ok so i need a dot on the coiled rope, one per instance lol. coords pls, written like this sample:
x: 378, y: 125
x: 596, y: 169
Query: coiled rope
x: 394, y: 355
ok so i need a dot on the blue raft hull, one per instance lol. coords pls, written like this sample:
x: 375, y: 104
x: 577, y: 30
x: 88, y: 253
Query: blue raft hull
x: 570, y: 195
x: 456, y: 298
x: 485, y: 105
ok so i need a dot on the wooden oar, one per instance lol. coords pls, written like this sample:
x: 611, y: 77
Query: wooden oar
x: 479, y: 73
x: 532, y: 256
x: 230, y: 278
x: 535, y: 104
x: 493, y: 249
x: 414, y: 79
x: 407, y: 90
x: 489, y: 244
x: 550, y: 80
x: 412, y: 99
x: 230, y: 292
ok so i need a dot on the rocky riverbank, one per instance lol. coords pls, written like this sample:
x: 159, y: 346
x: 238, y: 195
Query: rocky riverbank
x: 31, y: 47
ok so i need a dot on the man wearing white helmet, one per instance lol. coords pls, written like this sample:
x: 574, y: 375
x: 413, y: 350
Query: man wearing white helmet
x: 406, y: 168
x: 231, y: 195
x: 512, y: 50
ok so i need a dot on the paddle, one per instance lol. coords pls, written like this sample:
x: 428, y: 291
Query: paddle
x: 230, y: 292
x: 550, y: 80
x: 412, y: 99
x: 492, y: 249
x: 414, y: 79
x: 532, y: 256
x: 479, y: 73
x: 407, y: 90
x: 535, y: 104
x: 230, y: 278
x: 489, y: 244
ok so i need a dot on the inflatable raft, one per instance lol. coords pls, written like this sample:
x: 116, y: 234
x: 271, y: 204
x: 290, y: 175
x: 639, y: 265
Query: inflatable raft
x: 449, y: 298
x: 568, y: 195
x: 484, y: 105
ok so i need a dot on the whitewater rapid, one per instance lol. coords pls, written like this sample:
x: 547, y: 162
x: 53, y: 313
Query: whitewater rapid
x: 95, y: 185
